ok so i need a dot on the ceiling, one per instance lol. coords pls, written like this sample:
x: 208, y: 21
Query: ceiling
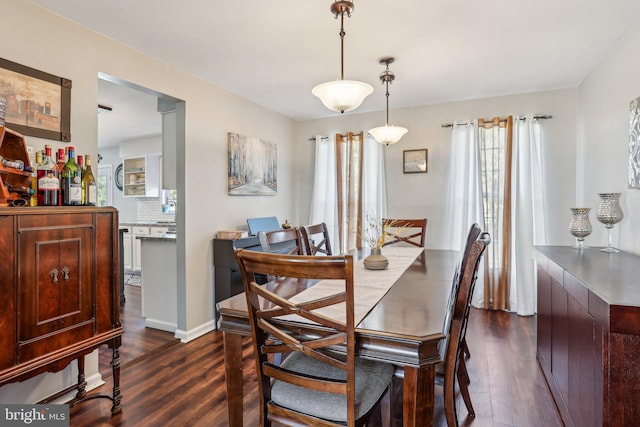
x: 274, y: 52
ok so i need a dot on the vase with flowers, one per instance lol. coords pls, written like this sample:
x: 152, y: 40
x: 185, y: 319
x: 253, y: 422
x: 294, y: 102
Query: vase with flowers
x: 372, y: 233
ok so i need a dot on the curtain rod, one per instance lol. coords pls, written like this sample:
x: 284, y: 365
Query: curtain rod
x: 547, y: 116
x: 323, y: 138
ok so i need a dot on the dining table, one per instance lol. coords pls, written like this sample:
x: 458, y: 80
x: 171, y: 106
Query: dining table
x: 403, y: 327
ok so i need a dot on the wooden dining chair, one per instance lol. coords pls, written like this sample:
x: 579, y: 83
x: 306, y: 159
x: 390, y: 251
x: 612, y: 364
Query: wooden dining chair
x: 454, y: 364
x: 322, y: 382
x: 316, y: 233
x: 285, y: 241
x: 472, y: 236
x: 411, y: 231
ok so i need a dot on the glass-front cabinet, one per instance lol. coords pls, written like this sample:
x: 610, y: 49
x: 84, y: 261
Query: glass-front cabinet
x: 141, y: 177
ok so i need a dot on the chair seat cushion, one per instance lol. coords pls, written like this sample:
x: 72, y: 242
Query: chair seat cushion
x: 372, y: 379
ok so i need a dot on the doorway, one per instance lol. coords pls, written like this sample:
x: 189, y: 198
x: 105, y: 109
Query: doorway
x: 130, y: 123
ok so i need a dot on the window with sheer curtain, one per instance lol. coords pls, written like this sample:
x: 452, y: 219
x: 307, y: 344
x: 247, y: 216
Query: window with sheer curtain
x: 349, y: 182
x: 496, y: 181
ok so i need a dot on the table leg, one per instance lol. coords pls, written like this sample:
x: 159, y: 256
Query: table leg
x: 233, y: 373
x: 418, y: 396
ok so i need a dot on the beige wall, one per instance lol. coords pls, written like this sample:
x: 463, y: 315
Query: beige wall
x: 424, y: 195
x: 603, y: 141
x: 38, y: 39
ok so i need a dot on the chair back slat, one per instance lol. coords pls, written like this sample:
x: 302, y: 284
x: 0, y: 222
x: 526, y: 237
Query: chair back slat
x: 316, y: 233
x: 409, y: 231
x: 269, y: 329
x: 287, y: 241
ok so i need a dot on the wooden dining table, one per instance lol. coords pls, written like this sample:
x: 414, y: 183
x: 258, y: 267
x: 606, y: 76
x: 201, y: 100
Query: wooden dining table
x: 403, y: 328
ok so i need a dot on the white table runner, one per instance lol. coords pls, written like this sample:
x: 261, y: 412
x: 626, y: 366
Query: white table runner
x: 369, y: 285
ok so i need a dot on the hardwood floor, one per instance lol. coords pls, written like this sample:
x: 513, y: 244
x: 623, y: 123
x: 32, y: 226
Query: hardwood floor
x: 183, y: 385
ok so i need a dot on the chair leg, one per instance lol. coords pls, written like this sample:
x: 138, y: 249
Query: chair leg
x: 450, y: 400
x: 462, y: 371
x: 465, y: 348
x: 463, y: 383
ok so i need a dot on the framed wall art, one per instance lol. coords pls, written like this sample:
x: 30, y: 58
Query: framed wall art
x: 634, y: 144
x: 414, y: 161
x: 253, y: 166
x: 37, y: 103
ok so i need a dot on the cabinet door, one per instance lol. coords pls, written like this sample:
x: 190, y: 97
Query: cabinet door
x: 55, y: 282
x: 127, y: 249
x: 137, y: 254
x: 544, y: 318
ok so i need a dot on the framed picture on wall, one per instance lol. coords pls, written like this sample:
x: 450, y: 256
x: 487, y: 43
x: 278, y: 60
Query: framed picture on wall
x: 414, y: 161
x: 37, y: 103
x: 252, y: 166
x: 634, y: 144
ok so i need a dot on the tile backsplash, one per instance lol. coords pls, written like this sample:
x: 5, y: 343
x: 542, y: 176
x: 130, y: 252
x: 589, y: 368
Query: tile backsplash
x: 150, y: 209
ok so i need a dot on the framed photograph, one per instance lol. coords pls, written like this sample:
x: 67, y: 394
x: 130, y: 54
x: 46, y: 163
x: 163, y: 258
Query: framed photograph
x: 634, y: 144
x: 37, y: 103
x: 414, y: 161
x: 253, y: 166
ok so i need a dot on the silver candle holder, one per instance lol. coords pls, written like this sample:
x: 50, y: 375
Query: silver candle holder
x: 580, y: 227
x: 609, y: 213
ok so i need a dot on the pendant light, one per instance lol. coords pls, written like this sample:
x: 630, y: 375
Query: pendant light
x: 342, y: 95
x: 387, y: 134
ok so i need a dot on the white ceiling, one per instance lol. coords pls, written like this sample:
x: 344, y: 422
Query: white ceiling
x: 274, y: 52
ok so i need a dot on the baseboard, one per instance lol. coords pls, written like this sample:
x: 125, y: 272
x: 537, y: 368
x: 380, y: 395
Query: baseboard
x: 160, y: 324
x: 93, y: 381
x: 192, y: 334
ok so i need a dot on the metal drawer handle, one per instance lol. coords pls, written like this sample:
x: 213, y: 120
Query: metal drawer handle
x: 65, y: 273
x: 54, y: 274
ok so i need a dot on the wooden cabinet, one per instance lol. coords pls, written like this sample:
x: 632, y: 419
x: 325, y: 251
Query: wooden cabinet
x: 589, y: 334
x: 60, y: 291
x: 141, y: 176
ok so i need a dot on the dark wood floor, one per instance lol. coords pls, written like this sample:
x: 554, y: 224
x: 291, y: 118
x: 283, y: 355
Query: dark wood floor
x: 183, y: 385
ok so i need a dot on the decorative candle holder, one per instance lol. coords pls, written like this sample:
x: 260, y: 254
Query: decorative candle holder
x: 609, y: 213
x: 580, y: 227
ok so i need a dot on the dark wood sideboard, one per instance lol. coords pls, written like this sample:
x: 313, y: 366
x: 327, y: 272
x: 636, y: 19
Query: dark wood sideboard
x: 589, y: 334
x: 59, y: 291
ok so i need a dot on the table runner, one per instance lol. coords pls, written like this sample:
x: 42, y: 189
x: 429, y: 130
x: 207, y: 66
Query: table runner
x: 369, y: 285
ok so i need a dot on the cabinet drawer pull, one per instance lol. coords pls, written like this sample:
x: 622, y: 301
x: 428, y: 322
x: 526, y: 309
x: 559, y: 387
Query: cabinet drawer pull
x: 54, y: 274
x: 65, y: 273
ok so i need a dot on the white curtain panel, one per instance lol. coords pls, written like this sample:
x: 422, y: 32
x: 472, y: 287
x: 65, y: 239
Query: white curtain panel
x: 374, y: 183
x: 324, y: 203
x: 528, y: 219
x: 324, y: 200
x: 464, y: 196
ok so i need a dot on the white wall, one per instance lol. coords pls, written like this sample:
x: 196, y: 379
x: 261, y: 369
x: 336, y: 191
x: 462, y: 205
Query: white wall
x: 59, y: 47
x: 424, y: 195
x: 604, y: 99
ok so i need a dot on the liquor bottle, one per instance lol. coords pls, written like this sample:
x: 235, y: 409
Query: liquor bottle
x: 48, y: 181
x: 34, y: 180
x: 89, y: 188
x: 71, y: 182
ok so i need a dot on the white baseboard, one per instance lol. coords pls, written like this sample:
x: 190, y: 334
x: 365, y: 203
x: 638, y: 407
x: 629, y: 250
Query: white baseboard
x: 93, y: 381
x: 192, y: 334
x: 160, y: 324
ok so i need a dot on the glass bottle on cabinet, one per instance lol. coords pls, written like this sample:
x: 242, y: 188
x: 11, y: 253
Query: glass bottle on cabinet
x: 142, y: 176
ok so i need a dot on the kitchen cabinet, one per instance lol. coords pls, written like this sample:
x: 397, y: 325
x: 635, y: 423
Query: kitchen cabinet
x: 589, y: 334
x: 142, y: 176
x: 133, y: 245
x: 59, y: 291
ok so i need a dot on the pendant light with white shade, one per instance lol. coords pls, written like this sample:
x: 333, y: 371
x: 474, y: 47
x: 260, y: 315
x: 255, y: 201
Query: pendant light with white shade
x: 387, y: 134
x: 342, y: 95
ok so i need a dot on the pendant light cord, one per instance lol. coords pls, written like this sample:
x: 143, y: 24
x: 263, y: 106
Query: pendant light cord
x: 342, y: 33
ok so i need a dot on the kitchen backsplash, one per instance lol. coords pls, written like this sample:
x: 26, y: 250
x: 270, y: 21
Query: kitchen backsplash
x: 150, y: 209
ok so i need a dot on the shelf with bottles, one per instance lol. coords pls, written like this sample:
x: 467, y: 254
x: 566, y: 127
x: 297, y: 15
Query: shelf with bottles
x: 14, y: 183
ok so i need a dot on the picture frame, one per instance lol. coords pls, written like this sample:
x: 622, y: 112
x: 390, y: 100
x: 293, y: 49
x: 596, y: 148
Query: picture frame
x: 634, y: 144
x: 252, y: 166
x: 414, y: 161
x: 37, y: 103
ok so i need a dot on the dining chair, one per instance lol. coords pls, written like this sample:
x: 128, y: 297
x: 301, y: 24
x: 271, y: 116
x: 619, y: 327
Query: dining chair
x: 472, y: 236
x: 454, y: 364
x: 322, y: 382
x: 312, y: 233
x: 411, y: 231
x: 285, y: 241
